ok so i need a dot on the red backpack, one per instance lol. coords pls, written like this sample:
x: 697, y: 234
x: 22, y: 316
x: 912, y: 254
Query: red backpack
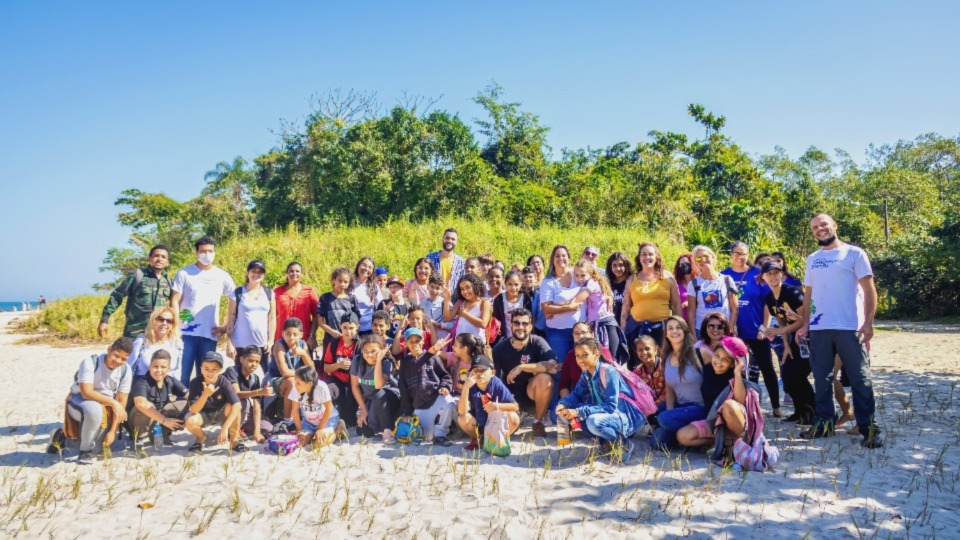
x: 642, y: 397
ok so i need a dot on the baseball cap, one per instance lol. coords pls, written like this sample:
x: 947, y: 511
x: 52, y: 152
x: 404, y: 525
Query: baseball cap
x: 770, y: 265
x: 482, y: 361
x: 349, y: 317
x: 395, y: 280
x: 213, y: 356
x: 412, y: 332
x: 380, y: 271
x: 257, y: 264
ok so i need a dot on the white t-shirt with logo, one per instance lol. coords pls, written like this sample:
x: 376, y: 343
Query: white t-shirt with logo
x: 834, y: 276
x: 313, y: 412
x: 201, y: 291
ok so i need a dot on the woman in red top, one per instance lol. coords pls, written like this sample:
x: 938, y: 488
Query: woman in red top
x: 296, y: 300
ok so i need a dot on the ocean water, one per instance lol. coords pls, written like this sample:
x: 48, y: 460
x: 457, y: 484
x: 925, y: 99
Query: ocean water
x: 8, y: 306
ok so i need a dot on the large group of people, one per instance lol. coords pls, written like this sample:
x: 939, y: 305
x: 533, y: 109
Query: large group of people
x: 470, y: 339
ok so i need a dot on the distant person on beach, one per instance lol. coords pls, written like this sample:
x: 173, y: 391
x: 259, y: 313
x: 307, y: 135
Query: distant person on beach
x: 41, y: 302
x: 98, y: 399
x: 145, y: 289
x: 447, y: 264
x: 197, y: 290
x: 831, y: 320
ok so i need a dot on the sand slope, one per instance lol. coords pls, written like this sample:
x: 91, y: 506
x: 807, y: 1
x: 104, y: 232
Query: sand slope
x: 829, y: 488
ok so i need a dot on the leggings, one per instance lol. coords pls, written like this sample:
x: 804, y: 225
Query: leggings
x: 794, y: 372
x: 761, y: 356
x: 383, y: 408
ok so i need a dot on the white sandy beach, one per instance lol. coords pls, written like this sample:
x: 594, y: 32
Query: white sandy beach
x: 824, y: 489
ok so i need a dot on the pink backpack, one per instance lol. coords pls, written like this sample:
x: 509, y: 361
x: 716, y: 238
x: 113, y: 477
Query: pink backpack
x: 642, y: 397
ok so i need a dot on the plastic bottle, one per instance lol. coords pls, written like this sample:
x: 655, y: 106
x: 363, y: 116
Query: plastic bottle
x: 157, y: 437
x: 563, y: 431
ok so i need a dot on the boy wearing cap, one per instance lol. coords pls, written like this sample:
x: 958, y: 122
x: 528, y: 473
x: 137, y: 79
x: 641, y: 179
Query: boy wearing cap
x: 337, y: 359
x: 425, y: 388
x: 483, y: 393
x: 213, y: 401
x: 395, y: 304
x: 380, y: 278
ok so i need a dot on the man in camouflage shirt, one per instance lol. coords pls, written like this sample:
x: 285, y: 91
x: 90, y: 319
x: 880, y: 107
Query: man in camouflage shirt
x: 146, y: 288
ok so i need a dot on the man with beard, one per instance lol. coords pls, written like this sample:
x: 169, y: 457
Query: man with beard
x: 145, y: 289
x: 527, y: 364
x: 832, y: 321
x: 447, y: 264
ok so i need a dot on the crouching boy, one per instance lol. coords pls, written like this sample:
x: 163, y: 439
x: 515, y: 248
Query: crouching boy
x: 483, y: 393
x: 425, y: 388
x: 98, y: 400
x: 251, y: 390
x: 157, y: 397
x: 213, y: 401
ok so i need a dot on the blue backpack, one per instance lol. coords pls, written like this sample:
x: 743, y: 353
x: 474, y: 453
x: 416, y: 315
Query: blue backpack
x: 408, y: 432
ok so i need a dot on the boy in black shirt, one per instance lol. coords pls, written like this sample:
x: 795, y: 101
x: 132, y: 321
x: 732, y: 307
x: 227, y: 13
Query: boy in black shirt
x: 213, y: 401
x: 251, y: 391
x: 157, y: 397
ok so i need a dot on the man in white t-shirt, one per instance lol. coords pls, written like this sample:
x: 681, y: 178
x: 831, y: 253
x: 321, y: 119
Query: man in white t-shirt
x: 831, y: 310
x: 197, y: 290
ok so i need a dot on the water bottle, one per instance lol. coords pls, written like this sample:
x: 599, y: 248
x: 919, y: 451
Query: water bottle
x: 563, y: 431
x: 157, y: 436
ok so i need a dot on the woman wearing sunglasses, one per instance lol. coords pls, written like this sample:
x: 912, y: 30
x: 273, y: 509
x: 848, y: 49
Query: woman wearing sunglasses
x: 713, y: 329
x: 162, y: 332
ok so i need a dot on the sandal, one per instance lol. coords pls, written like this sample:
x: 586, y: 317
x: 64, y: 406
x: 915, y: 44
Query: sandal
x: 196, y: 449
x: 240, y: 448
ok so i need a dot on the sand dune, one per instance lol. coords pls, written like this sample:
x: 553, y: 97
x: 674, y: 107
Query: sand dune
x: 828, y: 488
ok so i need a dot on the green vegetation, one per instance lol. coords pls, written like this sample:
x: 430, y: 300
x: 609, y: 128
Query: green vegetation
x: 395, y: 245
x: 351, y: 164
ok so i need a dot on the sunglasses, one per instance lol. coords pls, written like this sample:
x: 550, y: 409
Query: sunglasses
x: 702, y: 258
x: 164, y: 320
x: 591, y: 254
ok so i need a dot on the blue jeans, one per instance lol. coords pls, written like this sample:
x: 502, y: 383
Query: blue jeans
x: 610, y: 427
x: 194, y: 347
x: 671, y: 421
x: 561, y: 342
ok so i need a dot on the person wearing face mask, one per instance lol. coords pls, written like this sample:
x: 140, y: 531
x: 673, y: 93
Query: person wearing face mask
x: 197, y: 290
x: 145, y: 289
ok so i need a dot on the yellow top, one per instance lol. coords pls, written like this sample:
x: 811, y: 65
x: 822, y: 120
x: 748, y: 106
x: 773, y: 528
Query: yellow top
x: 650, y: 301
x: 446, y: 268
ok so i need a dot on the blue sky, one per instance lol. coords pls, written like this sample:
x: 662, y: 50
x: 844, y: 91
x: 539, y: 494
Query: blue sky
x: 98, y: 98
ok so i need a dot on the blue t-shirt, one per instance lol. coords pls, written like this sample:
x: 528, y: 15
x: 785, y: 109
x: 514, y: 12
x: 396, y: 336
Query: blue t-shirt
x: 750, y: 303
x: 496, y: 391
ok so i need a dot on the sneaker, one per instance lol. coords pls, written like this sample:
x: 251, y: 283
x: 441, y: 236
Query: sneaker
x: 281, y: 428
x: 167, y: 441
x: 795, y: 417
x: 388, y: 437
x: 85, y: 458
x: 57, y: 441
x: 474, y: 445
x: 547, y: 422
x: 778, y: 413
x: 876, y: 441
x: 818, y: 431
x: 538, y: 430
x: 441, y: 441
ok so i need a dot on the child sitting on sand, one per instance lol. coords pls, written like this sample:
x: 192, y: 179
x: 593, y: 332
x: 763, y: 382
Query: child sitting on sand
x: 375, y: 389
x: 315, y: 417
x: 483, y: 393
x: 251, y: 390
x: 100, y: 392
x: 425, y: 388
x: 157, y: 397
x: 213, y: 401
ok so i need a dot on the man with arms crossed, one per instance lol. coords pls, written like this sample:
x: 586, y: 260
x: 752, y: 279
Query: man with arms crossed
x: 830, y: 313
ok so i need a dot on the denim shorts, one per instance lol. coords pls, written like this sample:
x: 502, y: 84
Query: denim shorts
x: 311, y: 428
